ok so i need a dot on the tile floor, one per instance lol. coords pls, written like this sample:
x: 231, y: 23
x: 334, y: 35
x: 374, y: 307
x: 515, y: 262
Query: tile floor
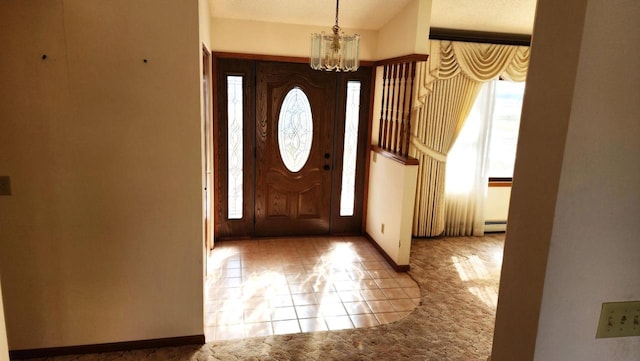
x: 293, y: 285
x: 458, y: 279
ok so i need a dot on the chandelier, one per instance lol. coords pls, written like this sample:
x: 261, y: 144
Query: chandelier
x: 334, y: 52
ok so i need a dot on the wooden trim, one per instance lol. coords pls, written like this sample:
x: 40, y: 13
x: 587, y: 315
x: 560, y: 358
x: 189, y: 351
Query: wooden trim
x: 107, y: 347
x: 495, y: 222
x: 215, y: 183
x: 260, y: 57
x: 234, y: 238
x: 208, y: 147
x: 206, y: 50
x: 276, y: 58
x: 396, y: 267
x: 479, y: 36
x: 402, y: 59
x: 500, y: 181
x: 488, y: 224
x: 493, y: 184
x: 365, y: 200
x: 395, y: 157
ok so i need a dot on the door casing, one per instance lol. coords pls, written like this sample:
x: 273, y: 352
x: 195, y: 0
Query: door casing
x: 248, y: 69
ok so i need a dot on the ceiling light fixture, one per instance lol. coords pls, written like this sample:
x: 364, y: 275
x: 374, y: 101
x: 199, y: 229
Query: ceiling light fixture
x: 334, y: 52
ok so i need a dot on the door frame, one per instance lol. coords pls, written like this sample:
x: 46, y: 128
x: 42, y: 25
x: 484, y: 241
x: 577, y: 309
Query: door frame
x: 207, y: 146
x: 245, y: 65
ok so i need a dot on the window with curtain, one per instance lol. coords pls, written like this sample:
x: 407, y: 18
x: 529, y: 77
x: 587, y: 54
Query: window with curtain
x: 449, y: 83
x: 495, y: 116
x: 466, y: 179
x: 466, y: 159
x: 504, y: 126
x: 485, y: 147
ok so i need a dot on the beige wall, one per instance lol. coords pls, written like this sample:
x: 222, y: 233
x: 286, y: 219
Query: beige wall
x: 543, y: 126
x: 497, y: 203
x: 411, y: 26
x: 572, y: 235
x: 407, y: 32
x: 204, y: 22
x: 496, y: 207
x: 392, y: 190
x: 595, y: 248
x: 258, y: 37
x: 101, y: 240
x: 392, y: 186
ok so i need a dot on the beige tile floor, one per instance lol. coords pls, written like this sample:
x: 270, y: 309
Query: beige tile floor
x: 292, y: 285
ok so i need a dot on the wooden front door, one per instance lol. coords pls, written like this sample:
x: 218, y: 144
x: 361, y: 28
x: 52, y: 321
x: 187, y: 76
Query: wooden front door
x: 295, y: 119
x: 280, y: 137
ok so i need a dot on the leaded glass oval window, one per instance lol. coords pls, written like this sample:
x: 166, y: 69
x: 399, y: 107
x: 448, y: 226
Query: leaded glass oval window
x: 295, y: 130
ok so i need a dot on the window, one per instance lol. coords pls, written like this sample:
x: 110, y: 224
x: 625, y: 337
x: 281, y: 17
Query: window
x: 486, y: 145
x: 504, y: 125
x: 235, y: 158
x: 349, y: 153
x: 295, y: 130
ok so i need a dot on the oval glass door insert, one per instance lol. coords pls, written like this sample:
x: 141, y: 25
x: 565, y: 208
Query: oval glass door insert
x: 295, y: 130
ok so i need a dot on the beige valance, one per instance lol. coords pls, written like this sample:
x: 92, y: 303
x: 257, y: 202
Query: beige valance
x: 478, y: 62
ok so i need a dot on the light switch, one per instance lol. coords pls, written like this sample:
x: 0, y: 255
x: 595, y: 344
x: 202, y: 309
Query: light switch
x: 619, y: 319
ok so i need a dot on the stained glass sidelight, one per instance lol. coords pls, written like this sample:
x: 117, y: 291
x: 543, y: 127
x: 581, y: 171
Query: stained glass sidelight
x: 350, y: 149
x: 295, y: 130
x: 234, y: 144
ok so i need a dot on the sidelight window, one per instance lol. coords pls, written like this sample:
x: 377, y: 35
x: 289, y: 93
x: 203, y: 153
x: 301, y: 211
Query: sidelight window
x: 235, y: 157
x: 350, y: 149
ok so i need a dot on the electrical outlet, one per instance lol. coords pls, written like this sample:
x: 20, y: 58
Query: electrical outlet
x: 619, y: 319
x: 5, y: 185
x: 382, y: 228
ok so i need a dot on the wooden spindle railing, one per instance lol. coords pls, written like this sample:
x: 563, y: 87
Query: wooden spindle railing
x: 395, y: 112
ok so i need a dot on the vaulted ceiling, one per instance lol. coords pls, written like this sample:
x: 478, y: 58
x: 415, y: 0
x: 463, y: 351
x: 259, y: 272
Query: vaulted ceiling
x: 506, y: 16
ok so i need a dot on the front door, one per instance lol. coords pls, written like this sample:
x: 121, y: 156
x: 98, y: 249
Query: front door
x: 291, y: 149
x: 295, y: 117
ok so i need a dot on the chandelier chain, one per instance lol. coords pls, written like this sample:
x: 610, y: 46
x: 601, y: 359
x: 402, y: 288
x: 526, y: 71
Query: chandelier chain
x: 337, y: 7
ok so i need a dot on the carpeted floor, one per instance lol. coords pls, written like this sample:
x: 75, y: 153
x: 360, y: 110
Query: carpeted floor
x: 458, y: 278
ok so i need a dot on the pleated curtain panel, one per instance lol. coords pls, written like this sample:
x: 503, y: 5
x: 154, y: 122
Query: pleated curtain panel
x: 447, y: 86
